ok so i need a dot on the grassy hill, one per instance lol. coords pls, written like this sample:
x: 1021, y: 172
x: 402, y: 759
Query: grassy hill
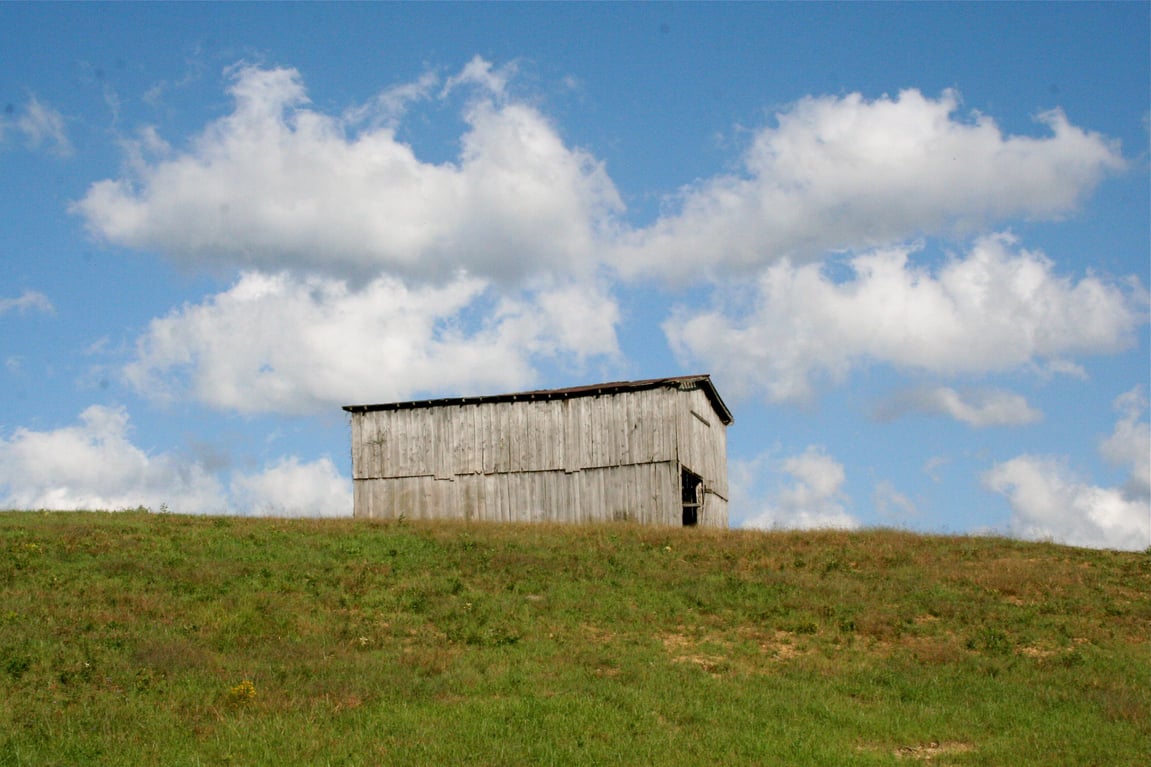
x: 140, y: 639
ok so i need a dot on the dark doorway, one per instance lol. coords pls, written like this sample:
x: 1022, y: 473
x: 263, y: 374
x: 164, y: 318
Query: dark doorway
x: 691, y: 488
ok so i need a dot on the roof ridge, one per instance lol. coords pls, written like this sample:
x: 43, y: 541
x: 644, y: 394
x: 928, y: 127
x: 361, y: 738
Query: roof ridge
x: 586, y: 390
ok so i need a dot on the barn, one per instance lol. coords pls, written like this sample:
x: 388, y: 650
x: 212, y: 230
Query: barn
x: 652, y: 452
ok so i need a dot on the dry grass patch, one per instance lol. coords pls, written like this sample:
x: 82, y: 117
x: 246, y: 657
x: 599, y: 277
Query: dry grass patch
x: 684, y: 649
x: 939, y: 752
x: 930, y: 752
x: 745, y: 650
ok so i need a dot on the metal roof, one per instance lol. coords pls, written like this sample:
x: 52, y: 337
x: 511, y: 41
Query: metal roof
x: 615, y: 387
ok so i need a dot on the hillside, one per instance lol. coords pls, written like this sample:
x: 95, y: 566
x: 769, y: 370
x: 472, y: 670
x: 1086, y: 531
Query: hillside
x: 132, y: 639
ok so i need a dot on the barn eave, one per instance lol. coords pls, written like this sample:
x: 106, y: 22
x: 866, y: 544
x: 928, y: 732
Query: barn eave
x: 702, y: 381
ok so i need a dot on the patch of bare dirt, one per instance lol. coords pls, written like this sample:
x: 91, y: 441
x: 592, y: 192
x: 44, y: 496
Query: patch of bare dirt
x: 777, y: 645
x: 929, y: 752
x: 683, y: 649
x: 727, y: 652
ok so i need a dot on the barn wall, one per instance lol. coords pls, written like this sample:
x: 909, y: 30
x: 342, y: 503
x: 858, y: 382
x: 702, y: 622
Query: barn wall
x: 503, y: 437
x: 579, y: 459
x: 644, y: 493
x: 703, y: 451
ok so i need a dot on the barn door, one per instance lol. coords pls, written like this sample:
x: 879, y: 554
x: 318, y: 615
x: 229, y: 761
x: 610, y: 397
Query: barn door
x: 691, y: 491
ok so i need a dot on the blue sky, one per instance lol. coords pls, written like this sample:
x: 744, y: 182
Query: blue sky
x: 908, y: 241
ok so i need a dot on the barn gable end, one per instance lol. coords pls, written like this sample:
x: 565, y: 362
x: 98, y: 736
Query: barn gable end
x: 652, y: 451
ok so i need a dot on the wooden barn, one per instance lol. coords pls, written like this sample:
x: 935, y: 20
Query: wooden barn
x: 653, y: 452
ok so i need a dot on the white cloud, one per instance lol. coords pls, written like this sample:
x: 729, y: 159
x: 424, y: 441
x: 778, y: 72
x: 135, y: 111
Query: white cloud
x: 41, y: 126
x: 370, y: 274
x: 290, y: 488
x: 1129, y: 445
x: 493, y: 80
x: 276, y: 185
x: 979, y: 408
x: 995, y: 309
x: 29, y: 299
x: 1063, y: 367
x: 573, y: 319
x: 1049, y: 502
x: 812, y: 497
x: 389, y: 105
x: 94, y: 465
x: 280, y: 343
x: 845, y: 173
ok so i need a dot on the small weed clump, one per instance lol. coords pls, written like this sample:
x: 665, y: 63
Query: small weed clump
x: 135, y: 638
x: 242, y: 694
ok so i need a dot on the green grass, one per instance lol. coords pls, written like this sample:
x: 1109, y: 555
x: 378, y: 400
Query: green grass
x: 140, y: 639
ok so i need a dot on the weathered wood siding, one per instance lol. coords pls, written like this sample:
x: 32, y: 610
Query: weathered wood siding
x: 576, y: 459
x: 703, y: 451
x: 503, y: 437
x: 645, y: 493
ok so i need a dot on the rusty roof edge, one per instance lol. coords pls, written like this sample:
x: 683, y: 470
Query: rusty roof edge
x: 717, y: 402
x: 683, y: 382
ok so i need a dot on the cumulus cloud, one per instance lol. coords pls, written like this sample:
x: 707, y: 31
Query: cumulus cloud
x: 29, y: 299
x: 490, y: 79
x: 93, y: 464
x: 41, y: 127
x: 276, y: 185
x: 810, y: 497
x: 847, y: 173
x: 281, y: 343
x: 1129, y: 445
x: 997, y: 308
x: 1049, y: 501
x: 979, y: 407
x: 368, y: 273
x: 390, y: 105
x: 290, y: 488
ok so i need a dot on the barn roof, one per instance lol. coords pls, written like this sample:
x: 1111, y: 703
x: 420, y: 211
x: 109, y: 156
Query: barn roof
x: 686, y: 383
